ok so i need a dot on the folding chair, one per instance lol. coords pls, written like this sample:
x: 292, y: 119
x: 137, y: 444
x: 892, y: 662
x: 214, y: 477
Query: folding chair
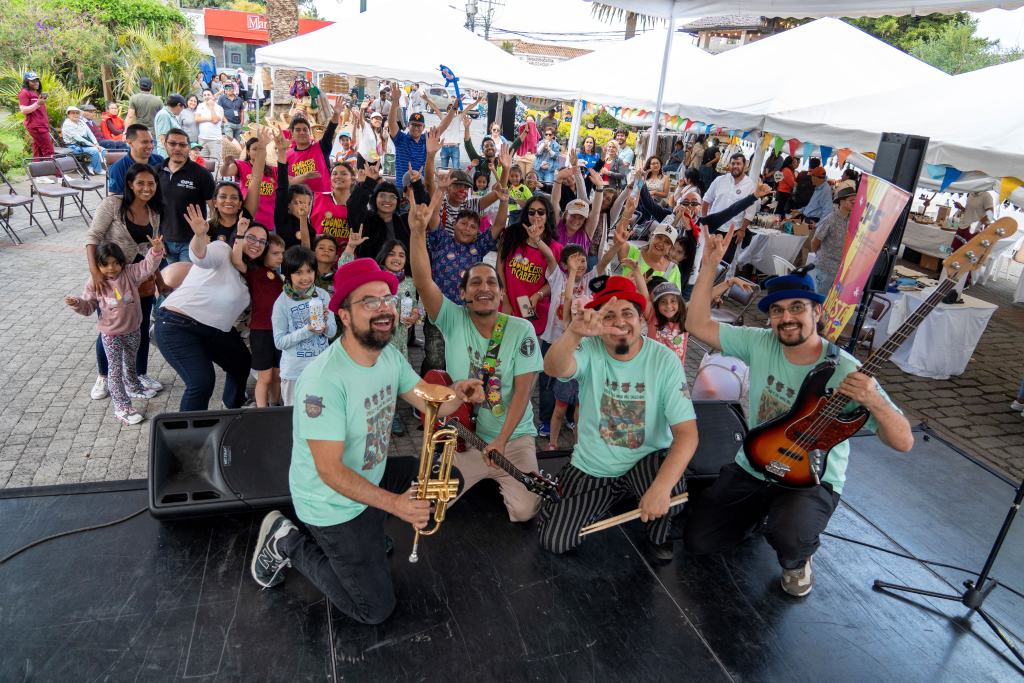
x: 8, y: 202
x: 112, y: 157
x: 74, y: 176
x: 44, y: 167
x: 211, y: 166
x: 58, y: 143
x: 741, y: 298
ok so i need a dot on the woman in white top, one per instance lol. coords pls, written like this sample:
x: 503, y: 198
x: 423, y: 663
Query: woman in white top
x: 195, y: 326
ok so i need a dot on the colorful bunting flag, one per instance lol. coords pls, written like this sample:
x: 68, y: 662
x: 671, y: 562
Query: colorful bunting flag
x: 949, y: 177
x: 688, y: 124
x: 793, y: 142
x: 779, y: 142
x: 842, y: 155
x: 826, y: 152
x: 707, y: 129
x: 745, y: 134
x: 1007, y: 186
x: 936, y: 171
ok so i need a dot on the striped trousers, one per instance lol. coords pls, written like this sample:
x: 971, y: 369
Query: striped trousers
x: 586, y: 499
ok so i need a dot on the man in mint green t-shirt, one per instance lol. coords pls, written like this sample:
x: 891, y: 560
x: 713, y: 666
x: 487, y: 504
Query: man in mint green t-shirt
x: 637, y: 428
x: 500, y: 350
x: 343, y: 483
x: 779, y: 359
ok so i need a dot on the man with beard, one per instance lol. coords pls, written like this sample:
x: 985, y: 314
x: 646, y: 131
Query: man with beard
x: 637, y: 428
x: 726, y: 190
x: 183, y: 183
x: 342, y: 483
x: 500, y: 350
x: 779, y: 359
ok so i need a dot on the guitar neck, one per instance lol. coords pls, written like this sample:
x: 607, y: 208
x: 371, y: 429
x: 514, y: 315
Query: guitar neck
x: 472, y: 439
x: 874, y: 362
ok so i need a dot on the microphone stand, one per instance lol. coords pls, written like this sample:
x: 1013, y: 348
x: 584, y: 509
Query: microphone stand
x: 976, y: 590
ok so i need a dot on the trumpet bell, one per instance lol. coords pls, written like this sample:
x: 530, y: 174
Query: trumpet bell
x: 434, y: 393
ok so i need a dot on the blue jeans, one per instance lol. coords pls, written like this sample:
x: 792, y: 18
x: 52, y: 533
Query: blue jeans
x: 1020, y: 393
x: 192, y: 349
x: 114, y: 144
x: 176, y: 251
x: 95, y: 156
x: 142, y: 357
x: 450, y: 156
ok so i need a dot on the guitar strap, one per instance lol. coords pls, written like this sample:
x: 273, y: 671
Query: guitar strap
x: 489, y: 365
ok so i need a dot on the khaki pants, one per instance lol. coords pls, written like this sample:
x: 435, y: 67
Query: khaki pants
x: 522, y: 452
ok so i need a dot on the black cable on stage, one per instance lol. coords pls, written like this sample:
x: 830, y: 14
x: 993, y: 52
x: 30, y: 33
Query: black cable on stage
x: 907, y: 556
x: 69, y: 533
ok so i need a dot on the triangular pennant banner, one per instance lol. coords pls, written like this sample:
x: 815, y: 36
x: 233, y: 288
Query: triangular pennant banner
x: 688, y: 124
x: 793, y: 142
x: 1007, y: 186
x: 808, y: 149
x: 734, y: 140
x: 777, y: 145
x: 936, y: 171
x: 707, y: 129
x: 745, y: 134
x: 826, y: 152
x: 842, y: 155
x: 949, y: 177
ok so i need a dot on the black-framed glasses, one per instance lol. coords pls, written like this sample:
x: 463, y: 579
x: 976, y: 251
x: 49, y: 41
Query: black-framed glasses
x: 256, y: 240
x: 537, y: 212
x: 796, y: 308
x: 690, y: 203
x: 373, y: 303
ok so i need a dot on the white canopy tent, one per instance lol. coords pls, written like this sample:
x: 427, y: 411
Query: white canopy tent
x: 408, y: 42
x: 976, y: 126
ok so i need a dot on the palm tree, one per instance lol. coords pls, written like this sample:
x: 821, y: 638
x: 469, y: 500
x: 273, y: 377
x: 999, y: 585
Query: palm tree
x: 611, y: 14
x: 282, y: 24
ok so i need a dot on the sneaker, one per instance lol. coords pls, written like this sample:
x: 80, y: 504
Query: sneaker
x: 544, y: 430
x: 99, y: 389
x: 268, y: 563
x: 129, y: 417
x: 798, y: 582
x: 150, y: 383
x: 570, y: 425
x: 145, y: 393
x: 663, y: 552
x: 1017, y: 406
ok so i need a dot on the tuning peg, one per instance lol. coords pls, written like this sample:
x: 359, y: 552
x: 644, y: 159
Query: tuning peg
x: 986, y: 243
x: 1001, y: 232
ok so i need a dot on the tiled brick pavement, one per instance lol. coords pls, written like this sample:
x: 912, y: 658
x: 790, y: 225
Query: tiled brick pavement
x: 51, y: 432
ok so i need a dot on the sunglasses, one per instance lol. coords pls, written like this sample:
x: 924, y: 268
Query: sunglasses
x: 537, y: 212
x: 690, y: 203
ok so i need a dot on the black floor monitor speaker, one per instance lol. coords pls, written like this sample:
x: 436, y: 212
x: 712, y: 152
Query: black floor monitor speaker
x: 899, y: 160
x: 721, y: 428
x: 219, y: 461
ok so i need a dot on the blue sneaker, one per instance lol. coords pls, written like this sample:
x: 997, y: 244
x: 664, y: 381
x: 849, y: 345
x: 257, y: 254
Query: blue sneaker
x: 544, y: 429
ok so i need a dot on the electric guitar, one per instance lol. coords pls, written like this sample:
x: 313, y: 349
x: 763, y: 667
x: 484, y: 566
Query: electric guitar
x: 464, y: 423
x: 792, y: 449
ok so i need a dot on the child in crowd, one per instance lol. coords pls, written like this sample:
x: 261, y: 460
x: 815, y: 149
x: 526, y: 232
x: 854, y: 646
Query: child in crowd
x: 120, y: 317
x: 480, y: 181
x: 326, y: 249
x: 302, y: 323
x: 265, y: 286
x: 518, y: 193
x: 667, y: 325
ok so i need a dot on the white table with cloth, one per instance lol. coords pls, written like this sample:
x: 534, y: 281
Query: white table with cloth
x: 927, y: 239
x: 766, y: 243
x: 944, y: 343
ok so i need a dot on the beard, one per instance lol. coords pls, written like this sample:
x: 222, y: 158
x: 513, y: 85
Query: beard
x: 797, y: 342
x: 621, y: 348
x: 375, y: 340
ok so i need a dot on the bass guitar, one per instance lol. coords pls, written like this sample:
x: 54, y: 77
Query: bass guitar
x: 462, y: 420
x: 792, y: 449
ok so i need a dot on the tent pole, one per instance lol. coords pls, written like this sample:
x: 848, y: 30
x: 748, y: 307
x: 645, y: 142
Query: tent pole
x: 758, y: 159
x: 652, y: 143
x: 574, y: 130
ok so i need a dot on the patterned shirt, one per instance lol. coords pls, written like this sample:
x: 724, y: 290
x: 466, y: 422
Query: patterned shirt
x: 450, y: 258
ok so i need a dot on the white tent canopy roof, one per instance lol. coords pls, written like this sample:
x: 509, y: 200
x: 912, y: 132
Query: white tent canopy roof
x: 420, y: 37
x: 803, y: 8
x: 796, y: 68
x: 977, y: 126
x: 622, y: 73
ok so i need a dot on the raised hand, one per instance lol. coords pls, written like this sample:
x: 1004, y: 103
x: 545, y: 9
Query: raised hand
x: 71, y: 301
x: 372, y: 169
x: 433, y: 142
x: 195, y: 219
x: 715, y: 246
x: 502, y: 193
x: 280, y: 143
x: 395, y: 94
x: 505, y: 156
x: 355, y: 238
x: 419, y: 214
x: 414, y: 175
x: 534, y: 232
x: 444, y: 181
x: 589, y: 322
x: 156, y: 244
x: 242, y: 226
x: 564, y: 174
x: 573, y: 159
x: 762, y: 190
x: 621, y: 235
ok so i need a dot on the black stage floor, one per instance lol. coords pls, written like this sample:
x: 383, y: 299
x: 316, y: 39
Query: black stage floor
x: 154, y: 601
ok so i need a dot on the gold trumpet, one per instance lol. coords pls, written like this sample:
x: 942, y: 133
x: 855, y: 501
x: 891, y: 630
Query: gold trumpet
x: 434, y: 481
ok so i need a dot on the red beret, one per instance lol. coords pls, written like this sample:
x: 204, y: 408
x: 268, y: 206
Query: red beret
x: 354, y: 275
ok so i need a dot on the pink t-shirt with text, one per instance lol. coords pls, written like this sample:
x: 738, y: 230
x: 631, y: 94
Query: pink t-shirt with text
x: 310, y: 159
x: 525, y: 275
x: 268, y: 186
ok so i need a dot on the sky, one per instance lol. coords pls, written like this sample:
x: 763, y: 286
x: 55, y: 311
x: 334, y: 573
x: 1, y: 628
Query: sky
x: 570, y: 22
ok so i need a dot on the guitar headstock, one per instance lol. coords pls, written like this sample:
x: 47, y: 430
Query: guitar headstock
x: 970, y: 256
x: 543, y: 485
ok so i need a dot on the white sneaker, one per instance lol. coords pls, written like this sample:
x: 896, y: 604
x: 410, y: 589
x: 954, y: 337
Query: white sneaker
x: 150, y: 383
x: 798, y: 582
x: 129, y: 417
x: 1017, y: 406
x: 145, y: 393
x: 99, y: 389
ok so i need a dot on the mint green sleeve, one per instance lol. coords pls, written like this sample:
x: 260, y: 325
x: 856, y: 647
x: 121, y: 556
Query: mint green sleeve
x: 583, y: 354
x: 407, y: 377
x: 331, y: 421
x: 446, y: 316
x: 740, y: 342
x: 678, y: 408
x: 528, y: 356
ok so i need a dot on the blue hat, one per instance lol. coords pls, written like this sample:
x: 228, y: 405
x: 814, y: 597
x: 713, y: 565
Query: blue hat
x: 796, y: 285
x: 31, y: 76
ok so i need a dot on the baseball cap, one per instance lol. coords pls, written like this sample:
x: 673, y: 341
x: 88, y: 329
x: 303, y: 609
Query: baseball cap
x: 196, y: 145
x: 31, y: 76
x: 87, y: 107
x: 460, y: 177
x: 145, y: 83
x: 664, y: 289
x: 416, y: 118
x: 621, y: 288
x: 229, y: 84
x: 667, y: 230
x: 175, y: 100
x: 577, y: 207
x: 343, y: 134
x: 377, y: 115
x: 817, y: 172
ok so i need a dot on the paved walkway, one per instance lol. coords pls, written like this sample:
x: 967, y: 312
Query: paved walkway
x: 52, y: 432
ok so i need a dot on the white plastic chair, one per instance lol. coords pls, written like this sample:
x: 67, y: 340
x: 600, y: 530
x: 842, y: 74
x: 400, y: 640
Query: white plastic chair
x: 782, y: 266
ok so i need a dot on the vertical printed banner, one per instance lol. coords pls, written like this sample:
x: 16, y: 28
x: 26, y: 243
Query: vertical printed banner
x: 878, y: 206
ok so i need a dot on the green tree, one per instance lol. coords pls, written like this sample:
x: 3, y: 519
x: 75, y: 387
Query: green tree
x: 123, y: 13
x: 956, y: 49
x: 167, y: 56
x: 907, y: 31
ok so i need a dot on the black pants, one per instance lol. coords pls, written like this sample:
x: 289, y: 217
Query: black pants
x: 730, y: 253
x: 348, y: 561
x: 586, y: 499
x: 734, y: 506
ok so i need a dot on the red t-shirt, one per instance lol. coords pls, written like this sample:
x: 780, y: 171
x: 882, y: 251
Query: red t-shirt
x: 524, y: 276
x: 310, y: 159
x: 264, y: 287
x: 37, y: 120
x: 268, y: 186
x: 329, y: 218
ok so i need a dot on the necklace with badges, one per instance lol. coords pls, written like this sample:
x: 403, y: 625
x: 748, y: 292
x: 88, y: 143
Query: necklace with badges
x: 489, y: 367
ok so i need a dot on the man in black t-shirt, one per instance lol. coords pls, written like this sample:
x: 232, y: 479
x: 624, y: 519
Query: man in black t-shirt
x: 234, y: 111
x: 183, y: 182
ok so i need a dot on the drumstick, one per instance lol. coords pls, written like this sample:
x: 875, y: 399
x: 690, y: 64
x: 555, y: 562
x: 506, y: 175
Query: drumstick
x: 627, y: 516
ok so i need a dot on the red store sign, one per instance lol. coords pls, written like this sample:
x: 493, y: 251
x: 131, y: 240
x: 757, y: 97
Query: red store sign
x: 247, y: 27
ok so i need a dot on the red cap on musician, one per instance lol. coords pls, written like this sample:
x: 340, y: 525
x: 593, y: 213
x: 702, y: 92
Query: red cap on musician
x: 621, y: 288
x: 354, y: 275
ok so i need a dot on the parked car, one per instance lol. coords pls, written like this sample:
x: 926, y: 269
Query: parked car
x: 467, y: 104
x: 440, y: 97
